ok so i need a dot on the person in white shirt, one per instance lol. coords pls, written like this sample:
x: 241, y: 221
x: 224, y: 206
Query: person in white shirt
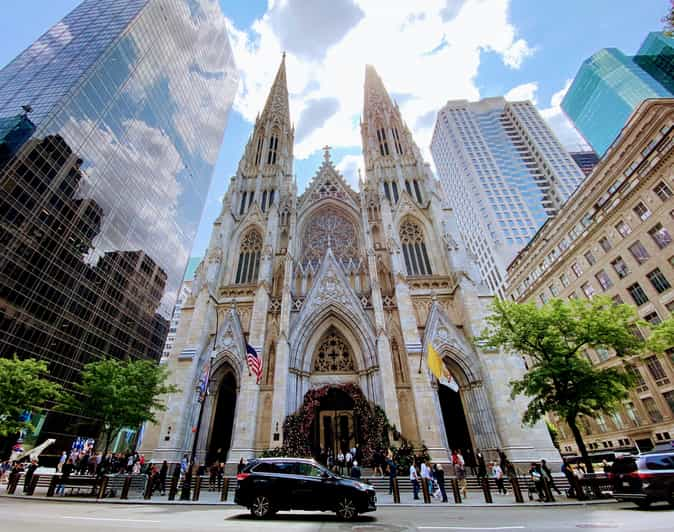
x: 427, y: 476
x: 414, y: 478
x: 497, y: 473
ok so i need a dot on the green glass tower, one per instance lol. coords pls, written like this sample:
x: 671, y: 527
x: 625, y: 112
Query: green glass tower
x: 610, y: 85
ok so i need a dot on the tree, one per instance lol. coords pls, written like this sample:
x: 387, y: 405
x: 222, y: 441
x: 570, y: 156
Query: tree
x: 120, y: 394
x: 553, y: 337
x: 662, y: 337
x: 668, y: 19
x: 23, y: 388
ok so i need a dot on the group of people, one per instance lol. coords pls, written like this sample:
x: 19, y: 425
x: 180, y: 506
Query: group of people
x: 342, y: 462
x: 433, y: 475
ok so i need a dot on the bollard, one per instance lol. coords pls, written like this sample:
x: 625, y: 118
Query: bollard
x: 126, y: 487
x: 52, y: 485
x: 547, y: 491
x: 578, y: 488
x: 33, y: 484
x: 173, y: 488
x: 103, y: 487
x: 486, y: 491
x: 148, y: 489
x: 396, y: 491
x: 197, y: 488
x: 517, y: 490
x: 455, y: 490
x: 424, y: 489
x: 225, y: 489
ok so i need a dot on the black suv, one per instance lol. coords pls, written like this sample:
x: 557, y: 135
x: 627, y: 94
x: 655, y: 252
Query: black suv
x: 644, y: 478
x: 268, y: 485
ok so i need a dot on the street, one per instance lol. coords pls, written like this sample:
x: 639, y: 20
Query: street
x: 35, y: 515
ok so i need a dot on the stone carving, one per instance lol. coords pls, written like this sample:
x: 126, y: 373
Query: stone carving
x: 333, y: 354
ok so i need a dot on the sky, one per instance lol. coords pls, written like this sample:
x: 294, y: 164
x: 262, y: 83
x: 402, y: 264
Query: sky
x: 426, y: 52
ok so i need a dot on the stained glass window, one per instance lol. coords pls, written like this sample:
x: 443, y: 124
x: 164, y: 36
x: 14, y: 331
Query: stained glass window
x: 249, y: 258
x: 414, y: 249
x: 329, y: 228
x: 334, y: 354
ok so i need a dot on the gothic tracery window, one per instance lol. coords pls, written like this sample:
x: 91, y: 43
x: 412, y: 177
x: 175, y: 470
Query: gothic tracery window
x: 249, y: 258
x: 273, y: 148
x: 333, y: 354
x: 329, y: 228
x: 383, y: 143
x: 258, y: 150
x: 396, y: 141
x: 414, y: 249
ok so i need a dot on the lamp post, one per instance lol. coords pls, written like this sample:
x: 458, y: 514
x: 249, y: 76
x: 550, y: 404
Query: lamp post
x: 208, y: 381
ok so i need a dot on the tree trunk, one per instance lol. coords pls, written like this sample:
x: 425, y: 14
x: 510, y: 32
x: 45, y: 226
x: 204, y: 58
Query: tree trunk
x: 571, y: 421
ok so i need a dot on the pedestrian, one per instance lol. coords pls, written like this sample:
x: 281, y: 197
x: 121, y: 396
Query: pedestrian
x: 340, y: 462
x: 497, y: 474
x: 213, y: 476
x: 348, y: 459
x: 414, y: 479
x: 547, y: 475
x: 62, y: 460
x: 184, y: 463
x: 66, y: 471
x: 163, y: 472
x: 469, y: 457
x: 392, y: 472
x: 567, y: 471
x: 221, y: 474
x: 536, y: 479
x: 481, y: 465
x: 460, y: 472
x: 426, y: 475
x: 439, y: 474
x: 30, y: 471
x: 378, y: 460
x: 355, y: 470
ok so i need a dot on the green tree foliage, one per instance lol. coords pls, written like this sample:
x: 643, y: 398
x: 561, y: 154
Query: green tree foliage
x: 668, y: 19
x: 119, y: 394
x: 23, y: 386
x: 662, y: 337
x: 553, y: 338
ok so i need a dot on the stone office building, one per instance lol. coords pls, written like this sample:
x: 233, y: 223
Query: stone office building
x: 614, y: 237
x: 340, y: 292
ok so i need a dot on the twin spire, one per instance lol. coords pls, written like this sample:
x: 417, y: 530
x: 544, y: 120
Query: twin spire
x: 277, y: 100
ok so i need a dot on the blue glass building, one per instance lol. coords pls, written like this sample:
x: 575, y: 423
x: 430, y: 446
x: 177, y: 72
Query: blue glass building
x: 110, y: 127
x: 610, y: 85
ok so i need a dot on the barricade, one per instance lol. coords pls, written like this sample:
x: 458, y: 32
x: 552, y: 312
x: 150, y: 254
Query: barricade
x: 173, y: 488
x: 455, y: 490
x: 225, y: 489
x: 125, y: 488
x: 424, y: 490
x: 396, y: 491
x: 103, y: 488
x: 485, y: 489
x: 517, y: 490
x: 197, y: 488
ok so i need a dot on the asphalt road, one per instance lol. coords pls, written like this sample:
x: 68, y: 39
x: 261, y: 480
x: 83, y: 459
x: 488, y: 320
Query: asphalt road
x: 43, y: 516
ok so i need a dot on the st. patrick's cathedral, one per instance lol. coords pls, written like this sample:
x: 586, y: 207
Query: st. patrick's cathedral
x: 340, y: 292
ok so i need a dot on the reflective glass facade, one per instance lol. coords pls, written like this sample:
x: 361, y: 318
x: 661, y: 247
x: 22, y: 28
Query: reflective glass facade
x: 610, y: 85
x: 504, y: 172
x: 110, y: 126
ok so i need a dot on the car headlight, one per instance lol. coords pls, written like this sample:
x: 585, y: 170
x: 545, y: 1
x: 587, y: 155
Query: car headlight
x: 361, y: 486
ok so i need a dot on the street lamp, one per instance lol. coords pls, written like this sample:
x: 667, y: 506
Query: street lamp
x: 202, y: 400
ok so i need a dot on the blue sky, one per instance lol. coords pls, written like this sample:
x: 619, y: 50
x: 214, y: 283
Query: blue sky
x: 427, y: 52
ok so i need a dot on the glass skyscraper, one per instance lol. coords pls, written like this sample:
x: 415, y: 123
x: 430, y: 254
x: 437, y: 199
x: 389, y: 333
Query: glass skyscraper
x: 610, y: 85
x: 503, y: 172
x: 110, y: 127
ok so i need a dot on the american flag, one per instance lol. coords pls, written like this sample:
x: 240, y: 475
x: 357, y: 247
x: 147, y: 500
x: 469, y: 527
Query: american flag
x: 254, y: 362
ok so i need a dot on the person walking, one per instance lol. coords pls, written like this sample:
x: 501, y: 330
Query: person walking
x: 426, y: 476
x: 536, y: 478
x: 213, y: 476
x: 340, y: 462
x: 240, y: 466
x: 460, y: 472
x: 348, y: 459
x: 414, y: 479
x: 66, y: 471
x: 481, y: 465
x: 547, y: 476
x: 62, y: 460
x: 469, y: 457
x: 497, y: 474
x: 392, y: 472
x: 378, y: 460
x: 439, y: 474
x: 355, y: 470
x: 30, y: 471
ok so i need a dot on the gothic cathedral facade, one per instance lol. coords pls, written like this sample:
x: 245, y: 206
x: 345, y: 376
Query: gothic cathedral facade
x: 334, y: 287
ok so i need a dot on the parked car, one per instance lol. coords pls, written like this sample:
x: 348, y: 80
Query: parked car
x: 269, y: 485
x: 644, y: 478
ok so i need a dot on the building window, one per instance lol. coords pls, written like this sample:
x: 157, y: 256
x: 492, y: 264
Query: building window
x: 394, y: 189
x: 417, y: 190
x: 589, y: 257
x: 587, y: 289
x: 387, y: 191
x: 573, y: 295
x: 620, y: 267
x: 273, y: 149
x: 659, y: 281
x: 661, y: 235
x: 655, y: 368
x: 642, y: 211
x: 602, y: 353
x: 639, y: 252
x: 652, y: 318
x: 414, y: 249
x: 249, y: 258
x: 617, y: 300
x: 576, y: 269
x: 564, y: 279
x: 652, y: 409
x: 632, y: 413
x: 669, y: 397
x: 623, y: 228
x: 604, y: 280
x: 553, y: 290
x: 396, y: 141
x: 638, y: 294
x: 663, y: 191
x: 543, y: 298
x: 605, y: 243
x: 242, y: 209
x: 383, y: 143
x: 601, y: 423
x: 638, y: 377
x: 264, y: 200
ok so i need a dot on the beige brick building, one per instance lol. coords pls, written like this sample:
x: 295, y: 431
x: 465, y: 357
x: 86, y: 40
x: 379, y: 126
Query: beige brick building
x: 336, y: 289
x: 614, y: 237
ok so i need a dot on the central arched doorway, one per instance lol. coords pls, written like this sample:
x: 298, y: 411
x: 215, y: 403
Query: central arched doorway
x: 335, y: 426
x: 223, y: 421
x: 454, y: 415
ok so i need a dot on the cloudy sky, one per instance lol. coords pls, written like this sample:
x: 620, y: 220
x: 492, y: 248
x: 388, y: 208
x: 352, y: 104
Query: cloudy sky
x: 426, y: 51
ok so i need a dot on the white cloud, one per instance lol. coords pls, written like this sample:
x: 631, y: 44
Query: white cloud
x: 560, y: 124
x: 349, y: 167
x: 427, y: 50
x: 526, y: 91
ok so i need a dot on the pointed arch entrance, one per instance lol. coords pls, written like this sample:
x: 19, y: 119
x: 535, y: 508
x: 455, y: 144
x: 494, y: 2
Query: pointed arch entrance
x: 335, y: 426
x: 222, y: 426
x: 453, y: 412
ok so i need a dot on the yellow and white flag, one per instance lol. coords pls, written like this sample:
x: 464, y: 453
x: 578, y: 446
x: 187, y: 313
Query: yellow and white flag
x: 438, y: 368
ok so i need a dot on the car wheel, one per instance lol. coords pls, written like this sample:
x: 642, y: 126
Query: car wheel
x: 346, y: 509
x: 261, y: 507
x: 643, y: 504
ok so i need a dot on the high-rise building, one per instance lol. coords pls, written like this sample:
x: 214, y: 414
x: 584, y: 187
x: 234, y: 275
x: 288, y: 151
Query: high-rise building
x: 610, y: 85
x: 586, y: 160
x: 615, y: 237
x: 339, y: 292
x: 110, y: 126
x: 183, y: 293
x: 504, y: 172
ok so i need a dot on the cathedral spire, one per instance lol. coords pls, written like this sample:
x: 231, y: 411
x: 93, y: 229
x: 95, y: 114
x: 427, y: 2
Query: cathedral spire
x: 375, y: 92
x: 277, y: 106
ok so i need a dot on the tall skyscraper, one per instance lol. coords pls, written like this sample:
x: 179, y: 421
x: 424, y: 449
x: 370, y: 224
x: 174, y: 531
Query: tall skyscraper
x: 585, y: 159
x: 110, y: 126
x: 504, y: 172
x: 610, y: 85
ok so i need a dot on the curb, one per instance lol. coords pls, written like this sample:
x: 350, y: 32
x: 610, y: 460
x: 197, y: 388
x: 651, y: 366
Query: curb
x: 233, y: 505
